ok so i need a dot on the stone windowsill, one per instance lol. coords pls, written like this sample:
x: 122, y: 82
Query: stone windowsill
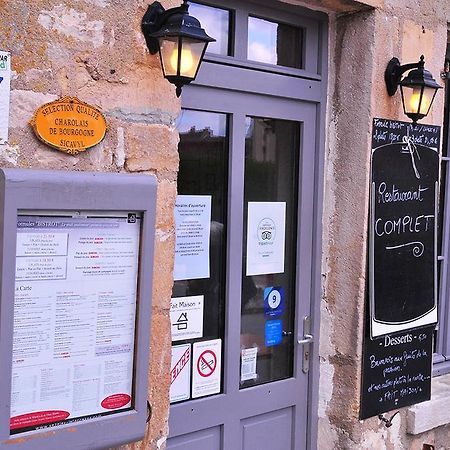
x: 433, y: 413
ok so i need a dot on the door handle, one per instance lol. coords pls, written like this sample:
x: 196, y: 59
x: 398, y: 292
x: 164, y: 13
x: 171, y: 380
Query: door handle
x: 307, y: 339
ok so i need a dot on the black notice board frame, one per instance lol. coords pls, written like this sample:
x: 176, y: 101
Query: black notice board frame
x: 397, y: 359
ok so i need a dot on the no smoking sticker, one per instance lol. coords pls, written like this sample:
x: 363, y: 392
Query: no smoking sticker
x: 206, y: 364
x: 207, y: 361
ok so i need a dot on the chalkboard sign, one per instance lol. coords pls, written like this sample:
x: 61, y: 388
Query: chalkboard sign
x: 399, y: 330
x: 403, y: 226
x: 396, y: 371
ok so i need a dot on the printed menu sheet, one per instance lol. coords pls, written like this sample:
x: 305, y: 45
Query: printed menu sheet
x: 74, y: 318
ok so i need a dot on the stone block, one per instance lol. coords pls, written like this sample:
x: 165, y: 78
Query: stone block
x: 24, y: 104
x: 151, y: 147
x: 167, y: 191
x: 433, y: 413
x: 141, y: 94
x: 162, y: 271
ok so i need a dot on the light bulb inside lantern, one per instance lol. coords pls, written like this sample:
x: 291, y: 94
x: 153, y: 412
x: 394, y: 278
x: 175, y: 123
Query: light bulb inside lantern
x: 187, y: 61
x: 414, y: 101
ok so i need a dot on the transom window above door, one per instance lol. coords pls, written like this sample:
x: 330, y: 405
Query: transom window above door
x: 254, y: 38
x: 217, y: 23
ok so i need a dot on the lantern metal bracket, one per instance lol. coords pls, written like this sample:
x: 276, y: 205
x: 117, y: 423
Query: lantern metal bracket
x: 394, y: 72
x: 154, y: 19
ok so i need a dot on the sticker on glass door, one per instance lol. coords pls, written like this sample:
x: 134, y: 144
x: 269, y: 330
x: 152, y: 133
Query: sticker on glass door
x: 193, y: 226
x: 273, y: 301
x: 248, y: 363
x: 180, y: 373
x: 265, y: 237
x: 186, y: 317
x: 207, y: 362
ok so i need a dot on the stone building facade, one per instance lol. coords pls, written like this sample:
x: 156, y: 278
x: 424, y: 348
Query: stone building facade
x: 94, y: 50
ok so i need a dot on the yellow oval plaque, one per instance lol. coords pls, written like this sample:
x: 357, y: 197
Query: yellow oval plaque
x: 69, y: 125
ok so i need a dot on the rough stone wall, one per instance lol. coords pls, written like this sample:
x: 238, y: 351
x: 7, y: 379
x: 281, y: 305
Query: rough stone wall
x: 346, y: 193
x: 94, y: 50
x: 361, y: 44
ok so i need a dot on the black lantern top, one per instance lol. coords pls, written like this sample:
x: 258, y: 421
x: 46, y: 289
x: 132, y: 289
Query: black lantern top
x: 178, y: 22
x: 420, y: 77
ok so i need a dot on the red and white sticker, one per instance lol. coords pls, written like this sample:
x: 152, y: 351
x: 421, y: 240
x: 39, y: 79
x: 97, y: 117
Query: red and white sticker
x: 37, y: 418
x: 116, y: 401
x: 207, y: 361
x: 180, y: 373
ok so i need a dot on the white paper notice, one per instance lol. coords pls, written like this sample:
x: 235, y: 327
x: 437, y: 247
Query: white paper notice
x: 248, y: 363
x: 266, y: 229
x: 180, y: 373
x: 186, y: 317
x: 5, y: 92
x: 193, y: 225
x: 74, y: 318
x: 207, y: 360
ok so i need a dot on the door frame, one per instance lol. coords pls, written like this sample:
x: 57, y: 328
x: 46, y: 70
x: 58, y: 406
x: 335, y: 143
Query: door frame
x: 211, y: 93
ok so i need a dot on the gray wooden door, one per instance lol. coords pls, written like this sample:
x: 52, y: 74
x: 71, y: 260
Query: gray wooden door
x: 251, y: 141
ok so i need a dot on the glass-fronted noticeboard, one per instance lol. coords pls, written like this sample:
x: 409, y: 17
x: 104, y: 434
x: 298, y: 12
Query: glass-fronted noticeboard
x: 76, y: 265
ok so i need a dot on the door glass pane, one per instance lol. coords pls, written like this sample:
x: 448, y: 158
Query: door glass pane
x: 269, y: 269
x: 216, y: 23
x: 274, y: 43
x: 197, y: 309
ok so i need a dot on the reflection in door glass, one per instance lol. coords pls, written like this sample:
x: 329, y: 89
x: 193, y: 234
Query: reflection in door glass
x: 269, y: 269
x: 197, y: 309
x: 274, y: 43
x: 216, y: 23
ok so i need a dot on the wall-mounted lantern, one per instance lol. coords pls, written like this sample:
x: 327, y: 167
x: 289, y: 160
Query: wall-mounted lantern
x: 418, y: 88
x: 180, y: 40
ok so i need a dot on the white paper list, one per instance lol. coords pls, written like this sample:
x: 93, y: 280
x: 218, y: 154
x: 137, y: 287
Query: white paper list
x: 74, y: 318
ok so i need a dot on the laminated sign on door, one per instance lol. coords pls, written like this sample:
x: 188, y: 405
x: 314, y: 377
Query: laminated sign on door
x: 207, y: 362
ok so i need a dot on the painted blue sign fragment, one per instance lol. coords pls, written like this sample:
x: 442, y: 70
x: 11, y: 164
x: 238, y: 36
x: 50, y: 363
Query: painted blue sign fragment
x: 273, y: 301
x: 273, y: 332
x: 1, y: 79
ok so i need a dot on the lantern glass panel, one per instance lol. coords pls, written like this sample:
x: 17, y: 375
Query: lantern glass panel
x: 181, y: 60
x: 417, y: 99
x: 168, y: 48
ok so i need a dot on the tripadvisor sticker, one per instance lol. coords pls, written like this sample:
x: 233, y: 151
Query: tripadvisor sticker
x: 69, y: 125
